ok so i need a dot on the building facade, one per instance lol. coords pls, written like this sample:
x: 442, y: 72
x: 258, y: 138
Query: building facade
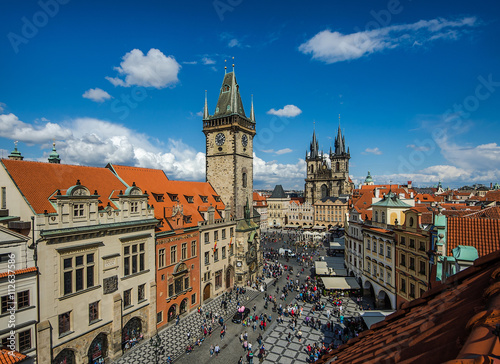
x: 277, y: 205
x: 331, y: 211
x: 95, y: 257
x: 327, y: 178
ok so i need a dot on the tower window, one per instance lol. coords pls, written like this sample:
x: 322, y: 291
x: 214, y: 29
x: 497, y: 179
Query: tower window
x: 244, y: 180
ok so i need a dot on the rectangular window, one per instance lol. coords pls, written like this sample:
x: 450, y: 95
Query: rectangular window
x: 403, y: 285
x: 388, y: 254
x: 374, y: 247
x: 170, y: 290
x: 78, y: 273
x: 422, y: 269
x: 141, y: 292
x: 193, y: 248
x: 193, y: 298
x: 184, y: 250
x: 134, y: 258
x: 127, y: 298
x: 368, y: 245
x: 93, y: 312
x: 403, y: 260
x: 389, y: 277
x: 412, y: 243
x: 402, y: 240
x: 134, y: 207
x: 381, y: 249
x: 186, y: 283
x: 412, y: 263
x: 231, y: 250
x: 216, y: 255
x: 5, y: 303
x: 218, y: 279
x: 223, y: 233
x: 159, y: 317
x: 231, y: 232
x: 161, y: 258
x: 421, y: 246
x: 216, y: 235
x: 4, y: 198
x: 412, y: 290
x: 223, y: 252
x: 173, y: 254
x: 207, y: 258
x: 207, y: 238
x: 78, y: 210
x: 178, y: 285
x: 64, y: 323
x: 23, y: 299
x: 24, y: 340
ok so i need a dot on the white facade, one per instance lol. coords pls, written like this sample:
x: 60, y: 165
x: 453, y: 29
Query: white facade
x: 354, y: 246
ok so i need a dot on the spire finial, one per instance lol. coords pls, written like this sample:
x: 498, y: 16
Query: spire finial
x: 225, y: 66
x: 205, y: 109
x: 15, y: 144
x: 252, y: 114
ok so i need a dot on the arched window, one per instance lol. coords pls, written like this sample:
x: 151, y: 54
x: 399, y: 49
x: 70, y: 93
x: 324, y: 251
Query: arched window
x: 338, y: 166
x: 376, y: 216
x: 244, y: 180
x: 324, y: 191
x: 383, y: 217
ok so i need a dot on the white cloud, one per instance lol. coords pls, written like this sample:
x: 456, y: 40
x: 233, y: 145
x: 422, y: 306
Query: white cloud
x: 151, y: 70
x: 288, y: 111
x: 207, y: 60
x: 190, y: 62
x: 13, y: 128
x: 419, y: 148
x: 199, y: 113
x: 269, y: 174
x: 331, y: 47
x: 96, y: 94
x: 234, y: 43
x: 284, y: 151
x: 2, y: 106
x: 375, y: 151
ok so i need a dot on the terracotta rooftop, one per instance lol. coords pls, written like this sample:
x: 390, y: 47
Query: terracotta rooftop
x: 38, y: 181
x: 161, y: 190
x: 481, y: 233
x: 450, y: 323
x: 18, y: 272
x: 8, y: 357
x: 489, y: 213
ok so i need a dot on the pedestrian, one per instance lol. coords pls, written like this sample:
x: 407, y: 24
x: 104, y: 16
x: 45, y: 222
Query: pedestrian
x: 211, y: 350
x: 217, y: 350
x: 299, y: 335
x: 222, y: 333
x: 177, y: 320
x: 249, y: 346
x: 241, y: 360
x: 189, y: 335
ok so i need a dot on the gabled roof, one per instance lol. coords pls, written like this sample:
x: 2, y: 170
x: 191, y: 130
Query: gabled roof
x: 450, y: 323
x: 38, y: 181
x: 278, y: 192
x: 189, y: 194
x: 481, y: 233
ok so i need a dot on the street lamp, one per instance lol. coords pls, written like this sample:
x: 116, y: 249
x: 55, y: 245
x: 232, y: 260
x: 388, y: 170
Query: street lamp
x: 156, y: 344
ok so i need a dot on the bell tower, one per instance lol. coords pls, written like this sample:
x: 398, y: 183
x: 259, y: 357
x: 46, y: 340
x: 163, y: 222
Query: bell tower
x: 229, y: 137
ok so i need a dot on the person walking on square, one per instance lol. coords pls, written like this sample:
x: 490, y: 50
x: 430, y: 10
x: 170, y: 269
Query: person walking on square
x: 217, y: 350
x: 211, y: 350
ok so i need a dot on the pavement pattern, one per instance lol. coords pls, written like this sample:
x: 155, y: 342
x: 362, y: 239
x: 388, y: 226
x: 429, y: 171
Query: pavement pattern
x: 174, y: 338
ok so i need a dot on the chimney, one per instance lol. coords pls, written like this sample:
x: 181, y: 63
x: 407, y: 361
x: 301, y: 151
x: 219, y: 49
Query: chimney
x: 211, y: 213
x: 409, y: 184
x: 377, y: 192
x: 411, y: 194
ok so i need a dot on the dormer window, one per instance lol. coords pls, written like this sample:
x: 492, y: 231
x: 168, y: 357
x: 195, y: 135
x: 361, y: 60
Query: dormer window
x: 217, y: 198
x: 204, y: 198
x: 78, y: 210
x: 173, y: 197
x: 158, y: 197
x: 187, y: 219
x: 189, y: 199
x: 134, y: 207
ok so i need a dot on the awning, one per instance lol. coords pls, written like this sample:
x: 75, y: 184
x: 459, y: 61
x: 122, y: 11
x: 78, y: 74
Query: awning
x: 372, y: 317
x: 291, y: 226
x: 317, y: 227
x: 321, y: 268
x: 340, y: 283
x: 336, y: 246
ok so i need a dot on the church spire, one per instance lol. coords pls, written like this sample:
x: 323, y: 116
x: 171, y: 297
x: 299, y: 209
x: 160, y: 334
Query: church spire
x: 252, y: 114
x: 234, y: 87
x: 339, y: 142
x: 314, y: 147
x: 15, y: 154
x: 229, y: 98
x: 54, y: 156
x: 205, y: 110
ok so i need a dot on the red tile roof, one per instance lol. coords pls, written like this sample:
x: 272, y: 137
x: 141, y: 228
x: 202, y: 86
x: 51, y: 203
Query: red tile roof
x: 489, y: 212
x: 18, y: 272
x: 11, y: 357
x: 155, y: 182
x: 481, y: 233
x: 450, y: 323
x: 38, y: 181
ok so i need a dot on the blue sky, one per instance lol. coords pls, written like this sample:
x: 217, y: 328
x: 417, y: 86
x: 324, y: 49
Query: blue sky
x: 417, y: 84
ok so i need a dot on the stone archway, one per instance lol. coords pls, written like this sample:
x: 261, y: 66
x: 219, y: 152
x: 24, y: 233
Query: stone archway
x: 368, y: 289
x: 98, y: 349
x: 207, y: 291
x: 229, y: 277
x: 131, y: 332
x: 183, y: 306
x: 172, y: 313
x: 66, y: 356
x: 383, y: 301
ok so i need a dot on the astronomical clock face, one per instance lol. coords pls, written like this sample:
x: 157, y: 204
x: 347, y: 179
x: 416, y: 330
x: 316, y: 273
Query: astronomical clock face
x: 244, y: 140
x: 220, y: 139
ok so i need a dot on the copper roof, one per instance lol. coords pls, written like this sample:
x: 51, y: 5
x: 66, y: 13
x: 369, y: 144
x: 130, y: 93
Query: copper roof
x: 450, y: 323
